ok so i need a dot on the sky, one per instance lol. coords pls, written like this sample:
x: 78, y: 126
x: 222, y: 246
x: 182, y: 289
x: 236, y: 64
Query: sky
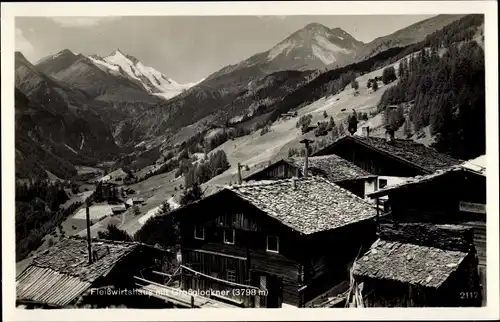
x: 185, y: 48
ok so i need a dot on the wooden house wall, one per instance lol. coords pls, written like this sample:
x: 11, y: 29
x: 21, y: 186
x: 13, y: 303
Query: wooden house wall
x: 463, y: 287
x: 331, y: 254
x: 372, y: 161
x: 248, y: 255
x: 382, y: 293
x: 280, y: 170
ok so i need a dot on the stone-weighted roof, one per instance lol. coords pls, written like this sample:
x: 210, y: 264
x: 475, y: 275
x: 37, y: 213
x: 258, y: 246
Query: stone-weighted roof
x: 408, y: 263
x: 407, y: 151
x: 333, y: 167
x: 314, y: 205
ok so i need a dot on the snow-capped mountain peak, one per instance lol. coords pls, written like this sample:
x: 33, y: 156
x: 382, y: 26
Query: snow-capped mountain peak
x: 315, y: 42
x: 152, y: 80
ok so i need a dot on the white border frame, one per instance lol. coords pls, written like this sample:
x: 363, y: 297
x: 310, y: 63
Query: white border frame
x: 10, y: 10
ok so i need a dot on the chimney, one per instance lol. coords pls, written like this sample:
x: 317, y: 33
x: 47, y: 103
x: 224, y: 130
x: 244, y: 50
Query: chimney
x: 88, y: 231
x: 389, y: 135
x: 306, y: 161
x: 239, y: 173
x: 366, y: 131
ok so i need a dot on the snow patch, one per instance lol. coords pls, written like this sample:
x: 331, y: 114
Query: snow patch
x: 153, y: 81
x: 168, y: 95
x: 326, y: 57
x: 105, y: 178
x: 83, y: 141
x: 120, y: 60
x: 70, y: 148
x: 236, y: 119
x: 325, y: 43
x: 280, y: 48
x: 102, y: 64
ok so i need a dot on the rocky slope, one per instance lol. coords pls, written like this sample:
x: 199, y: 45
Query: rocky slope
x: 56, y: 125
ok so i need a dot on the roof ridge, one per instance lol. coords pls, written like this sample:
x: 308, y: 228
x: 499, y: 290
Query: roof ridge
x: 271, y: 182
x: 332, y: 155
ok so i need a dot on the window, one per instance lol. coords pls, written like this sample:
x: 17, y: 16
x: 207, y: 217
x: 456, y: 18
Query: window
x: 272, y: 244
x: 199, y: 232
x: 382, y: 183
x: 229, y: 236
x: 231, y: 275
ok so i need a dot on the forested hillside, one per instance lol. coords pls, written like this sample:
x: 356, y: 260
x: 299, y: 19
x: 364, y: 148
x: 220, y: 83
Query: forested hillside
x: 448, y: 92
x: 38, y: 213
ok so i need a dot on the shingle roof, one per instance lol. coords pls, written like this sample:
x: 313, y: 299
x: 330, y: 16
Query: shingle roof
x: 408, y: 151
x: 315, y: 205
x: 422, y: 179
x: 335, y: 168
x: 61, y: 273
x: 332, y: 167
x: 408, y: 263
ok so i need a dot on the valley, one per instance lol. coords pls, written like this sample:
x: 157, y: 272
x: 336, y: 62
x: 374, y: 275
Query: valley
x: 90, y: 122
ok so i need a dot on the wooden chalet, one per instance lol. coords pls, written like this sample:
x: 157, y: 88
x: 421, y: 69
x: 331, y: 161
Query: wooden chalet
x: 63, y: 276
x: 392, y: 160
x: 453, y: 196
x: 417, y: 265
x: 332, y: 167
x: 269, y: 244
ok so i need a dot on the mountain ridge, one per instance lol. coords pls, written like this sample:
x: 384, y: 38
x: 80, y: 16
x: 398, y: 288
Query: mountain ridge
x: 56, y: 126
x: 402, y: 37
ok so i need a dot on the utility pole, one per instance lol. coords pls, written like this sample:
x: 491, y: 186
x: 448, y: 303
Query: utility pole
x: 87, y: 205
x: 306, y: 142
x: 240, y: 179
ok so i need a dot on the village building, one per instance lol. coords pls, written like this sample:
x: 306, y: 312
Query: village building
x: 267, y: 244
x: 66, y: 276
x: 119, y: 209
x: 134, y: 201
x: 456, y: 195
x: 392, y: 160
x: 417, y: 265
x: 332, y: 167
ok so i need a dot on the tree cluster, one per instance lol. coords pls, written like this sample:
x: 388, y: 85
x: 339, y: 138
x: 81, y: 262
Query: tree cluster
x: 162, y: 229
x: 206, y: 169
x: 112, y: 232
x: 448, y: 94
x: 106, y: 192
x: 352, y: 122
x: 304, y: 121
x: 38, y: 213
x: 389, y: 75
